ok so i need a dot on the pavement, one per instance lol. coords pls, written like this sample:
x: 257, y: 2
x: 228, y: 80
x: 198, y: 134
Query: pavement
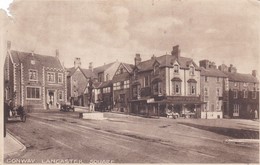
x: 12, y: 146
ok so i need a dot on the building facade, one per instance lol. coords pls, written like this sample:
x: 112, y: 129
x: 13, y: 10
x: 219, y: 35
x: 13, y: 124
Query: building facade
x: 243, y: 93
x: 165, y: 82
x: 34, y: 81
x: 121, y: 88
x: 212, y: 90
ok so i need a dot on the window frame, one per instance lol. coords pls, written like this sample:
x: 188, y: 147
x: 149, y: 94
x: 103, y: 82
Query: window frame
x: 177, y: 69
x: 235, y: 94
x: 60, y: 74
x: 33, y: 87
x: 62, y: 94
x: 53, y: 77
x: 36, y: 74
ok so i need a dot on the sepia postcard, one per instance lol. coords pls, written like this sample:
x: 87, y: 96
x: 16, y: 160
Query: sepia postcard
x: 129, y: 81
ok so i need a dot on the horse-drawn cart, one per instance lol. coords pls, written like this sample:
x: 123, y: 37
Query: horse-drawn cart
x: 17, y: 112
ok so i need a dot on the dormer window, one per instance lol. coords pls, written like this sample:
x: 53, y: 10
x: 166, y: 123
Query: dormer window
x: 156, y: 69
x: 176, y: 68
x: 192, y: 70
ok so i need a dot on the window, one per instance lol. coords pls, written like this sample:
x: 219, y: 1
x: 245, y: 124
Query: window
x: 206, y: 79
x: 136, y: 91
x: 51, y: 77
x: 156, y: 69
x: 100, y: 77
x: 107, y: 90
x: 176, y: 69
x: 146, y: 81
x: 60, y: 95
x: 206, y: 92
x: 33, y: 75
x: 126, y: 84
x: 218, y: 92
x: 218, y: 105
x: 33, y: 93
x: 236, y: 110
x: 157, y: 88
x: 245, y: 93
x: 192, y: 71
x: 60, y: 78
x: 192, y: 87
x: 235, y: 94
x: 176, y: 87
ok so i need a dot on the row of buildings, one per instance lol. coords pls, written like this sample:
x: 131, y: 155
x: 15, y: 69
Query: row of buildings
x: 147, y: 87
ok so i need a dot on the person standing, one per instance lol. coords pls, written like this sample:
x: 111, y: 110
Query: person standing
x: 256, y: 114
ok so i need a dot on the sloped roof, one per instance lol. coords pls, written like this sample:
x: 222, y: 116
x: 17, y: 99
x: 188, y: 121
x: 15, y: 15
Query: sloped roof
x: 89, y: 73
x: 211, y: 72
x: 166, y: 61
x: 103, y: 68
x: 241, y: 77
x: 71, y: 71
x: 129, y: 67
x: 44, y: 60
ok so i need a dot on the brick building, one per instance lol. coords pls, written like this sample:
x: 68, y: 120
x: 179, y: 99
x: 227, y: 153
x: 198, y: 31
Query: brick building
x: 165, y: 82
x: 212, y: 90
x: 34, y: 81
x: 243, y: 93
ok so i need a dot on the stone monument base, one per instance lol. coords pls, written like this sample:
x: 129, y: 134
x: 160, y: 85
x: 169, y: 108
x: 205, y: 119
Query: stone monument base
x: 92, y: 115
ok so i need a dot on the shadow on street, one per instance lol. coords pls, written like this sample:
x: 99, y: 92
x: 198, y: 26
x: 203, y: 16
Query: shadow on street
x: 231, y: 132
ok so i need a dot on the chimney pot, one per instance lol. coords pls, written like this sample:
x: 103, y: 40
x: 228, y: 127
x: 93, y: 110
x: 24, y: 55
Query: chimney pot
x: 176, y: 51
x: 137, y: 59
x: 254, y: 73
x: 77, y: 62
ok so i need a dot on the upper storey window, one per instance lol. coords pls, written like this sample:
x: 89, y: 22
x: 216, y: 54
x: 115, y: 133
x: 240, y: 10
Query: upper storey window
x: 33, y: 75
x: 192, y: 70
x: 176, y: 68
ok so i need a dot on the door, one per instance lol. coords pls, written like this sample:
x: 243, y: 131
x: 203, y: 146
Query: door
x: 51, y: 99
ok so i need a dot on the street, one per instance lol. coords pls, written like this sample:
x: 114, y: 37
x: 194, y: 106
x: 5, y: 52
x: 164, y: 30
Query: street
x: 131, y: 139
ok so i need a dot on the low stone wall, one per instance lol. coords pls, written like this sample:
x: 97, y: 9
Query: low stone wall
x: 212, y: 115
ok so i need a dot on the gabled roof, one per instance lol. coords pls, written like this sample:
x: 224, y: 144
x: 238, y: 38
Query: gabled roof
x: 166, y: 61
x: 129, y: 67
x: 71, y: 71
x: 103, y: 68
x: 89, y: 73
x: 211, y: 72
x: 105, y: 84
x: 46, y: 61
x: 241, y: 77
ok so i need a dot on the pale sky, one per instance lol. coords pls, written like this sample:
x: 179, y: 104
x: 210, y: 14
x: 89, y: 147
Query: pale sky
x: 223, y: 31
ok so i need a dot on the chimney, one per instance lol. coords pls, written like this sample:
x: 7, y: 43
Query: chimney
x: 9, y: 44
x: 232, y: 69
x: 137, y: 59
x: 176, y: 51
x: 204, y: 64
x: 254, y: 73
x: 77, y: 62
x: 153, y: 57
x: 223, y: 68
x: 91, y: 66
x: 57, y: 54
x: 32, y: 53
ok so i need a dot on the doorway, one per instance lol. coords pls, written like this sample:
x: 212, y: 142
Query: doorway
x: 51, y: 99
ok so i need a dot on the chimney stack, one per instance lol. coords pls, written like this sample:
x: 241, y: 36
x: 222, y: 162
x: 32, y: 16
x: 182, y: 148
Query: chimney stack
x: 153, y: 57
x: 32, y: 53
x: 254, y: 73
x: 91, y: 66
x: 204, y: 64
x: 9, y: 45
x: 57, y: 54
x: 137, y: 59
x: 77, y: 62
x: 232, y: 69
x: 223, y: 68
x: 176, y: 51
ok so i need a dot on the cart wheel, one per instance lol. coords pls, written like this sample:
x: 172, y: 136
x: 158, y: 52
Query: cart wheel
x: 23, y: 118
